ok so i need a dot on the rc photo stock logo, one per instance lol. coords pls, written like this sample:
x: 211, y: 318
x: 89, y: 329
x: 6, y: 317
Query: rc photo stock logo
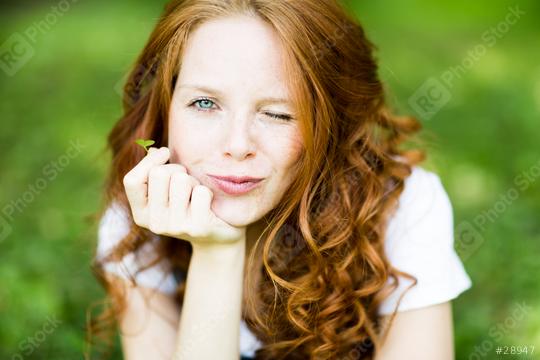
x: 435, y: 92
x: 17, y: 50
x: 141, y: 74
x: 49, y: 172
x: 5, y: 228
x: 468, y: 234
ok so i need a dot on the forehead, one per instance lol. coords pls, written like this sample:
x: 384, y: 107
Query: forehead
x: 242, y: 52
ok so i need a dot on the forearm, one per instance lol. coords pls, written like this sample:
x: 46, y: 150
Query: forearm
x: 210, y: 321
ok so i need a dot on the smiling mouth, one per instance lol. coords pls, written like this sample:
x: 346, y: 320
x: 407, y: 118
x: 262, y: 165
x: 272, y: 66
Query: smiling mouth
x: 233, y: 187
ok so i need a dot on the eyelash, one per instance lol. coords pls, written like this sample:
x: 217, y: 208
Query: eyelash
x: 272, y: 115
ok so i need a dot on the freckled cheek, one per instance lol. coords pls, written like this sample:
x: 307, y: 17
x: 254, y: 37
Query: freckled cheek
x: 176, y: 135
x: 284, y: 150
x: 294, y: 147
x: 185, y: 139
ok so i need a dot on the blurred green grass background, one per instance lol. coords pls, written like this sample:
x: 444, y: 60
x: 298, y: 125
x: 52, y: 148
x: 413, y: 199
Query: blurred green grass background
x: 482, y: 140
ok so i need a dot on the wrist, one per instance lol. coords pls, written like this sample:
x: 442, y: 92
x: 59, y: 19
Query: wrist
x: 231, y: 251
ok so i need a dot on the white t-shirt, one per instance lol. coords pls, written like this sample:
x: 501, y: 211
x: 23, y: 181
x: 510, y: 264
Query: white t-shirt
x: 419, y: 241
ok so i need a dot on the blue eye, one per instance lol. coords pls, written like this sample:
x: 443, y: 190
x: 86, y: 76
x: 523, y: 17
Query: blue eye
x: 204, y: 102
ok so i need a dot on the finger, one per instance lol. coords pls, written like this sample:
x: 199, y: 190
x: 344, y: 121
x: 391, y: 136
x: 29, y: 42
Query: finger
x: 136, y: 189
x: 199, y: 209
x: 171, y: 169
x: 179, y: 194
x: 158, y: 196
x: 136, y: 180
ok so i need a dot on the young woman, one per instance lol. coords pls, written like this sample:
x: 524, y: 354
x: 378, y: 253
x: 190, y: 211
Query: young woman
x: 275, y: 217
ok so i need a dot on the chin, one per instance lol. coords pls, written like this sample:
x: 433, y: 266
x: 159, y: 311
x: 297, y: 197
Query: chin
x: 233, y: 214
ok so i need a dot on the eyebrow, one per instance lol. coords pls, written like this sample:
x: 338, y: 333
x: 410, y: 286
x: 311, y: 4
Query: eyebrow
x: 206, y: 89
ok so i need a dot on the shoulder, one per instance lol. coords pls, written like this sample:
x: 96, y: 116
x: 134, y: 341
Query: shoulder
x: 420, y: 241
x: 423, y: 198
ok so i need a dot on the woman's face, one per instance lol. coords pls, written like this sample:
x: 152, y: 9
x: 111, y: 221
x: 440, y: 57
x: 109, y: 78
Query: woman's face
x: 220, y: 122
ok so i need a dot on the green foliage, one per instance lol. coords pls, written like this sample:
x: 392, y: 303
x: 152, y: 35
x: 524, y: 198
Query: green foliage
x: 145, y: 143
x: 68, y: 91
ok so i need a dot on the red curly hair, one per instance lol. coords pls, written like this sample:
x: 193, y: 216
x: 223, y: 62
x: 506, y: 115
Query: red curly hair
x: 323, y: 269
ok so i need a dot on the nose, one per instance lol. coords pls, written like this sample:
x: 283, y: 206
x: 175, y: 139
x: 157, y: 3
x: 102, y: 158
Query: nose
x: 238, y: 143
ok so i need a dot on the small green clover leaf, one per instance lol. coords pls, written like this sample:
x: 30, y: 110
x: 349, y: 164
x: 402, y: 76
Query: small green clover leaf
x: 145, y: 143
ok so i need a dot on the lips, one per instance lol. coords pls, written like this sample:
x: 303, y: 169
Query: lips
x: 234, y: 185
x: 237, y: 179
